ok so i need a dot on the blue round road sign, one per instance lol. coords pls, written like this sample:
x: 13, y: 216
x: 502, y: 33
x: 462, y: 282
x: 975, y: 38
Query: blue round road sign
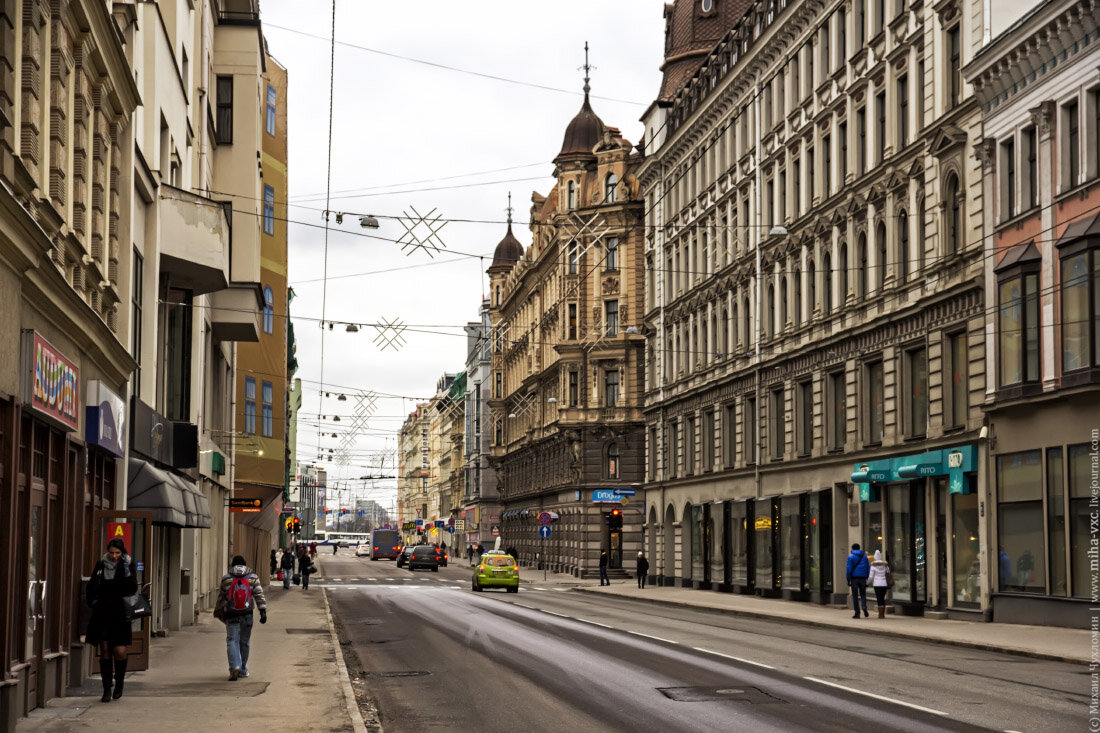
x: 545, y: 518
x: 544, y: 531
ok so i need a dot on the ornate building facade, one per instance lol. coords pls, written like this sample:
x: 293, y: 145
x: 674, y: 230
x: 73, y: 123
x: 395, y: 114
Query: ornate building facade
x: 815, y: 318
x: 567, y: 358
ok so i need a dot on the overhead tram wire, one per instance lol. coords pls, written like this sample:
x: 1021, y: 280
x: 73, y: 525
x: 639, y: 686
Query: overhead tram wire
x: 427, y: 180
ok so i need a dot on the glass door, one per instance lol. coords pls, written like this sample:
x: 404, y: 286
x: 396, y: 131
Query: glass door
x: 35, y: 621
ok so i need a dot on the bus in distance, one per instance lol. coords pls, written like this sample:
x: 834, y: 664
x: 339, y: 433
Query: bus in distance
x: 384, y: 543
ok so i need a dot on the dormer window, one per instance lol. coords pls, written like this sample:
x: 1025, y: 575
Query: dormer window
x: 610, y: 186
x: 571, y: 195
x: 706, y: 6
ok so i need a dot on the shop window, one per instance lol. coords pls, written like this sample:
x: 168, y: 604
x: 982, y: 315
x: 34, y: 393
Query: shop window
x: 790, y: 543
x: 740, y: 534
x: 873, y: 403
x: 1081, y: 479
x: 1056, y: 521
x: 1080, y: 284
x: 708, y: 440
x: 837, y: 415
x: 1020, y: 523
x: 611, y: 461
x: 250, y: 405
x: 916, y: 393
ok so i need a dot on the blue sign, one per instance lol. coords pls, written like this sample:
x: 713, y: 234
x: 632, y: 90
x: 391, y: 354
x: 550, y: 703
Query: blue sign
x: 420, y: 523
x: 439, y: 523
x: 625, y: 492
x: 606, y: 496
x: 544, y: 531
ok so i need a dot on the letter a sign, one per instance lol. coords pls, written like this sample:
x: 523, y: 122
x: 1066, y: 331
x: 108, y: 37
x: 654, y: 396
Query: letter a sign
x: 123, y: 530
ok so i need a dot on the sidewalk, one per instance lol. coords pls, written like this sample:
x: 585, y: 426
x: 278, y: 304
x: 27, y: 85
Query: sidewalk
x: 298, y: 680
x: 1044, y: 642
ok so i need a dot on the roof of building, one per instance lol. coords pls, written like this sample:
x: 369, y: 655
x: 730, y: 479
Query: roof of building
x: 583, y: 131
x: 690, y: 34
x: 508, y: 252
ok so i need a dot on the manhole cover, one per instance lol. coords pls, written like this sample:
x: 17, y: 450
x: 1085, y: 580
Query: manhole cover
x: 307, y: 631
x: 707, y: 694
x: 401, y: 673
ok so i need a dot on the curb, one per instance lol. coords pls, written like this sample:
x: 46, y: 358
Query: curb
x: 357, y: 723
x: 825, y: 625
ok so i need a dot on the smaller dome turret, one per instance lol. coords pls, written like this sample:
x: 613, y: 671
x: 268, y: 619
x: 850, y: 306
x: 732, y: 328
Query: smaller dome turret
x: 509, y: 251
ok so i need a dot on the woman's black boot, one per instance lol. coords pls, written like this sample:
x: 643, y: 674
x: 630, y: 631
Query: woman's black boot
x: 105, y: 673
x: 120, y: 675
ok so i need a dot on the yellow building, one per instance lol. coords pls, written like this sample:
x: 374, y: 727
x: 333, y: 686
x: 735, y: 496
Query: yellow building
x: 262, y: 384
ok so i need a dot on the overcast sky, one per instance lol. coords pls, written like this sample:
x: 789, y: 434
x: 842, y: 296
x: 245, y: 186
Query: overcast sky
x: 409, y: 134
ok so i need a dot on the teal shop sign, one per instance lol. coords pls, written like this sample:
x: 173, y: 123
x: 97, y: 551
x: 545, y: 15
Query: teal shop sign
x: 954, y: 463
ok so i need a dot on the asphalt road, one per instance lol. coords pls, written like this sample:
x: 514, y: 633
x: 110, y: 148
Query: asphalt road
x: 431, y: 655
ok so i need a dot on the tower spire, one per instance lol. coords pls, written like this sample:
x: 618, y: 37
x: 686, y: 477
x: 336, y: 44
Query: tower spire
x: 587, y: 69
x: 509, y: 209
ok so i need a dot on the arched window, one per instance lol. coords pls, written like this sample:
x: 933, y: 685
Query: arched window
x: 843, y: 266
x: 861, y: 267
x: 903, y: 248
x: 571, y: 200
x: 954, y: 215
x: 269, y: 310
x: 797, y: 279
x: 612, y: 460
x: 612, y: 259
x: 610, y: 186
x: 827, y: 290
x: 880, y: 237
x: 771, y: 311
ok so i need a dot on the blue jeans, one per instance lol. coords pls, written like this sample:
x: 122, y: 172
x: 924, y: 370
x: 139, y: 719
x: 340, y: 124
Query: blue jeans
x: 859, y: 594
x: 238, y: 634
x: 286, y: 578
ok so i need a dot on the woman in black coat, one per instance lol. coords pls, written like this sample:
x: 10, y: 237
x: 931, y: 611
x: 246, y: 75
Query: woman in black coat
x: 109, y: 627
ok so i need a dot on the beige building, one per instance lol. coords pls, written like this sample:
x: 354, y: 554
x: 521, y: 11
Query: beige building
x: 567, y: 359
x: 815, y: 310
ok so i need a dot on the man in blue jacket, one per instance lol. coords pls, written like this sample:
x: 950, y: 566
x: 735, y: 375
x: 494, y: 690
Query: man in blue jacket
x: 859, y: 567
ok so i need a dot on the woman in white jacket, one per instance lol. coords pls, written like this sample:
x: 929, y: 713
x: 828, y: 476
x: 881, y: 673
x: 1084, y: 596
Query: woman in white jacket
x: 879, y: 579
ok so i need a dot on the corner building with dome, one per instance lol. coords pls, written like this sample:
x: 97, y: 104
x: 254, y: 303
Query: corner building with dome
x: 565, y: 391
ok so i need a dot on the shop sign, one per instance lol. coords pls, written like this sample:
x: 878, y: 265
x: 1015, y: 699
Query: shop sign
x: 123, y: 531
x: 246, y: 506
x: 51, y: 383
x: 605, y: 496
x: 105, y: 418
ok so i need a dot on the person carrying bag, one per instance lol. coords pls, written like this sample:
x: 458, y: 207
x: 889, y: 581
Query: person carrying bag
x: 881, y: 580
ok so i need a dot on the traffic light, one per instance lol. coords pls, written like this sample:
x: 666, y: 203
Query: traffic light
x: 289, y: 524
x: 615, y: 519
x: 297, y: 525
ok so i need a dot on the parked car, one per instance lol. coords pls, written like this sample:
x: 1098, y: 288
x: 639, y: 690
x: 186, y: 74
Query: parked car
x: 496, y: 570
x: 441, y: 556
x: 423, y: 556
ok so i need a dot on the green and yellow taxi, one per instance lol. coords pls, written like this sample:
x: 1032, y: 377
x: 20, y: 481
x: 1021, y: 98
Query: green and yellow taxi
x: 496, y: 570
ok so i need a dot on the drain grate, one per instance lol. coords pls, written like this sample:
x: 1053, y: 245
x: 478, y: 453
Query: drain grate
x: 709, y: 694
x: 307, y: 631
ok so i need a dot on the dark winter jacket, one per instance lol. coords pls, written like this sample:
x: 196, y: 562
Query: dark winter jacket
x: 104, y: 595
x: 239, y: 571
x: 643, y: 565
x: 287, y: 563
x: 858, y: 566
x: 603, y: 559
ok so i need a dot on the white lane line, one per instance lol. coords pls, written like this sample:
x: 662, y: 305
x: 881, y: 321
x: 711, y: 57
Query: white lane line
x: 877, y: 697
x: 655, y: 638
x: 594, y: 623
x: 555, y: 613
x: 730, y: 656
x: 524, y: 605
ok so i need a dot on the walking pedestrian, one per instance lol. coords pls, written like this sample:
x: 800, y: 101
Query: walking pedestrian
x: 470, y: 554
x: 335, y: 546
x: 287, y: 566
x: 274, y: 563
x: 305, y: 565
x: 313, y: 549
x: 240, y: 593
x: 603, y: 568
x: 858, y: 568
x: 109, y: 626
x: 643, y: 569
x: 879, y: 578
x: 514, y: 553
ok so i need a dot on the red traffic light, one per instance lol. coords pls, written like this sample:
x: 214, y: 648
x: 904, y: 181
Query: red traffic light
x: 616, y: 512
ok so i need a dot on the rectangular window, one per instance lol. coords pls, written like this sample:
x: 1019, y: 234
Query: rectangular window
x: 1081, y: 477
x: 903, y: 111
x: 874, y: 412
x: 880, y: 13
x: 916, y: 394
x: 827, y: 154
x: 836, y: 396
x: 250, y: 405
x: 571, y: 325
x: 137, y: 287
x: 842, y: 36
x: 611, y: 387
x: 920, y: 95
x: 1031, y: 150
x: 777, y: 423
x: 572, y: 257
x: 842, y: 156
x: 729, y: 433
x: 708, y: 440
x: 269, y: 410
x: 689, y: 446
x: 796, y: 172
x: 861, y: 22
x: 880, y: 132
x: 781, y: 196
x: 824, y: 38
x: 1018, y: 329
x: 272, y: 95
x: 574, y: 389
x: 1056, y: 521
x: 1072, y: 150
x: 1077, y: 350
x: 957, y: 378
x: 954, y: 68
x: 805, y: 418
x: 499, y: 386
x: 861, y: 141
x: 651, y: 454
x: 177, y: 355
x: 1008, y: 180
x: 223, y: 132
x: 811, y: 176
x: 611, y: 313
x: 750, y: 422
x: 612, y: 261
x: 1020, y: 523
x: 269, y: 210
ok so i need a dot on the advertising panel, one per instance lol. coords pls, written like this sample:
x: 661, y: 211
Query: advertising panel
x: 51, y: 383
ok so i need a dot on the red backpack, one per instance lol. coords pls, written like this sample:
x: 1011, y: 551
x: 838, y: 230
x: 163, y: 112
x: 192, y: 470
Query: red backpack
x: 239, y: 598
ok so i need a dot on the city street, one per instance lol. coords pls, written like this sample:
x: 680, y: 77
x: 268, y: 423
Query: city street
x: 431, y: 654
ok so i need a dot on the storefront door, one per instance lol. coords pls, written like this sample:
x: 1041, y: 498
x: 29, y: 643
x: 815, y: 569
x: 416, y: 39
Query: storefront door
x: 140, y: 528
x: 36, y: 588
x: 941, y: 543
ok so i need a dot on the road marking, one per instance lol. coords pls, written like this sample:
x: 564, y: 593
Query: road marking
x: 730, y: 656
x: 655, y: 638
x: 524, y: 605
x: 555, y: 613
x: 594, y: 623
x: 877, y: 697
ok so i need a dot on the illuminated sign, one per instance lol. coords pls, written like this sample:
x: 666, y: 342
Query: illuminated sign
x: 51, y: 383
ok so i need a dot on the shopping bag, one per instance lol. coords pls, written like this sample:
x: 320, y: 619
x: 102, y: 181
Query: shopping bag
x: 279, y: 575
x: 297, y: 578
x: 137, y: 606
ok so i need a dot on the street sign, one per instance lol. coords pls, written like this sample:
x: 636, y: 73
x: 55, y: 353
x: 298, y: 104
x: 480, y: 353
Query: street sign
x: 544, y: 531
x: 420, y: 523
x: 624, y: 501
x: 626, y: 492
x: 605, y: 496
x: 460, y: 525
x: 439, y: 523
x: 545, y: 518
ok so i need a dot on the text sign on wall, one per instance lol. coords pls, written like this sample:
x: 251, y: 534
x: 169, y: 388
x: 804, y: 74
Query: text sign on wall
x: 123, y: 531
x: 51, y: 382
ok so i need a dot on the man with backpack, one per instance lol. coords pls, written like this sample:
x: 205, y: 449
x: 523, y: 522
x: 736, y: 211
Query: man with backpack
x: 239, y: 595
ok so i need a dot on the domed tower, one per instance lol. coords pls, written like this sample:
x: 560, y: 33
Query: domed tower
x: 505, y: 257
x: 692, y: 29
x: 577, y: 155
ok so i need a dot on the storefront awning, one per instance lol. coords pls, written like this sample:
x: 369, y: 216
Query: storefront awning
x: 951, y: 462
x: 172, y: 500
